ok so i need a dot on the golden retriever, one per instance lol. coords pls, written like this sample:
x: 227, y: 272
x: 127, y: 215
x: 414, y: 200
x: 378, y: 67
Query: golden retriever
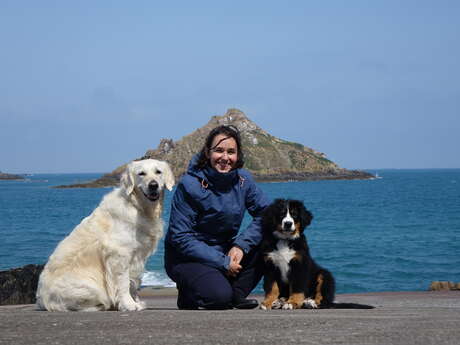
x: 98, y: 266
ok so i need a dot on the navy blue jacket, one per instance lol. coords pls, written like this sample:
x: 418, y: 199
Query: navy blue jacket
x: 206, y: 213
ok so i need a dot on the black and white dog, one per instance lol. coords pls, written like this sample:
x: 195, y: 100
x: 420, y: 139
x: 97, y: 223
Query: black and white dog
x: 292, y: 279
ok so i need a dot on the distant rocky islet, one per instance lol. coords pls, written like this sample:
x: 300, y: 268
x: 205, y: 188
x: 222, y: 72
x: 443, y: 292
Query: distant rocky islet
x: 5, y: 176
x: 268, y: 158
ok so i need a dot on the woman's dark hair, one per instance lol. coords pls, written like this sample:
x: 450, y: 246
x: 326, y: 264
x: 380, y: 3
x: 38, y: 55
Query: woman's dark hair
x: 229, y: 132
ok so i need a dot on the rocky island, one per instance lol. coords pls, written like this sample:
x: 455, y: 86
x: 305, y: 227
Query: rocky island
x: 5, y: 176
x: 268, y: 158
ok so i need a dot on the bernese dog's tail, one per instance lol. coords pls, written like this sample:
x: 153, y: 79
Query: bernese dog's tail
x: 349, y: 306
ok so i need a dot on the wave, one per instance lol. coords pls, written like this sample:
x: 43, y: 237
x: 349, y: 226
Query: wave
x: 157, y: 279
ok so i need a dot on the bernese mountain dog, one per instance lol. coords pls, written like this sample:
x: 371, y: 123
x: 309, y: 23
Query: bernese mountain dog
x: 292, y: 279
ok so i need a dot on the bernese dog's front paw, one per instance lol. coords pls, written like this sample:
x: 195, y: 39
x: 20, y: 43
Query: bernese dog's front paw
x: 287, y: 306
x: 265, y: 305
x: 310, y: 304
x: 279, y: 303
x: 295, y: 301
x: 292, y: 304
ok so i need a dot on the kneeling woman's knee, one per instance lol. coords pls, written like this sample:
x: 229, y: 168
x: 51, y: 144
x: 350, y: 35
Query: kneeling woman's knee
x: 218, y: 298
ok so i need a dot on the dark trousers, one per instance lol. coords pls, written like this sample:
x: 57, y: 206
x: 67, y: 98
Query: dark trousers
x: 207, y: 287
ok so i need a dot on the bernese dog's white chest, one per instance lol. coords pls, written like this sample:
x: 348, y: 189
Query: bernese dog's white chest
x: 281, y: 257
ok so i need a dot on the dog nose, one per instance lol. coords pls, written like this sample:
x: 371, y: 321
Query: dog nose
x: 153, y: 186
x: 287, y: 225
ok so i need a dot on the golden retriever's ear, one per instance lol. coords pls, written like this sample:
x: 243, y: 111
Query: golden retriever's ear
x: 127, y: 181
x: 168, y: 176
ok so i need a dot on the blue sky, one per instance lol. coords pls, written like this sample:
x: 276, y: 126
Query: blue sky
x: 86, y: 86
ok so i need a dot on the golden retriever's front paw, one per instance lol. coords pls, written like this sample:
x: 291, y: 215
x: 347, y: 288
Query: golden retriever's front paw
x: 130, y: 305
x: 141, y: 305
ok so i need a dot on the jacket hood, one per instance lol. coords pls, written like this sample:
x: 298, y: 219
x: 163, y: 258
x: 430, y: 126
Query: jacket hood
x: 211, y: 176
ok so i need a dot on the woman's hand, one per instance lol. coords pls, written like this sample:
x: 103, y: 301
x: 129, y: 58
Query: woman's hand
x: 236, y: 255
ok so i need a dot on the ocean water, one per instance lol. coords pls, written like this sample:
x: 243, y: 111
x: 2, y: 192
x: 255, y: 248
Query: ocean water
x: 395, y: 233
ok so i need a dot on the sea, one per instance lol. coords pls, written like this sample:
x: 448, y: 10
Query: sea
x: 397, y: 232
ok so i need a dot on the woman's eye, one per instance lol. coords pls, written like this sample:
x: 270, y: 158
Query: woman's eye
x: 220, y: 150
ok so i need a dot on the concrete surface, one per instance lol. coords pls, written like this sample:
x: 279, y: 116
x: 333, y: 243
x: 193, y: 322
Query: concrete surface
x: 399, y: 318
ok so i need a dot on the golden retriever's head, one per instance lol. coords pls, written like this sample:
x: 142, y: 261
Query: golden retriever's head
x: 148, y: 177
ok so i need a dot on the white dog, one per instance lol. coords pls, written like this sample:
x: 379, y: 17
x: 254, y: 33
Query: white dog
x: 98, y: 266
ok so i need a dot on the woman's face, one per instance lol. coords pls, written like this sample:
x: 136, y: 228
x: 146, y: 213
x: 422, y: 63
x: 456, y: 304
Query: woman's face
x: 223, y: 154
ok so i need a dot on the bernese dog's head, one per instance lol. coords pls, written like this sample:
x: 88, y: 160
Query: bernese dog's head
x: 286, y: 219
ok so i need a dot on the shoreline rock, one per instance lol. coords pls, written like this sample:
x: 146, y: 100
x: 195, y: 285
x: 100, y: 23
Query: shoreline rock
x: 444, y: 286
x: 19, y: 285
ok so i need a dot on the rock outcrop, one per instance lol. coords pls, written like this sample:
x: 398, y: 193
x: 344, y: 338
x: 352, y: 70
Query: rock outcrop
x: 444, y: 286
x: 19, y: 285
x: 5, y: 176
x: 268, y: 158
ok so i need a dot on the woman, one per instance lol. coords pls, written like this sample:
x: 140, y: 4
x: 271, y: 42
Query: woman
x: 214, y: 266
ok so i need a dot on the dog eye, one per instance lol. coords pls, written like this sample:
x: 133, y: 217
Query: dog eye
x: 158, y: 172
x: 142, y: 173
